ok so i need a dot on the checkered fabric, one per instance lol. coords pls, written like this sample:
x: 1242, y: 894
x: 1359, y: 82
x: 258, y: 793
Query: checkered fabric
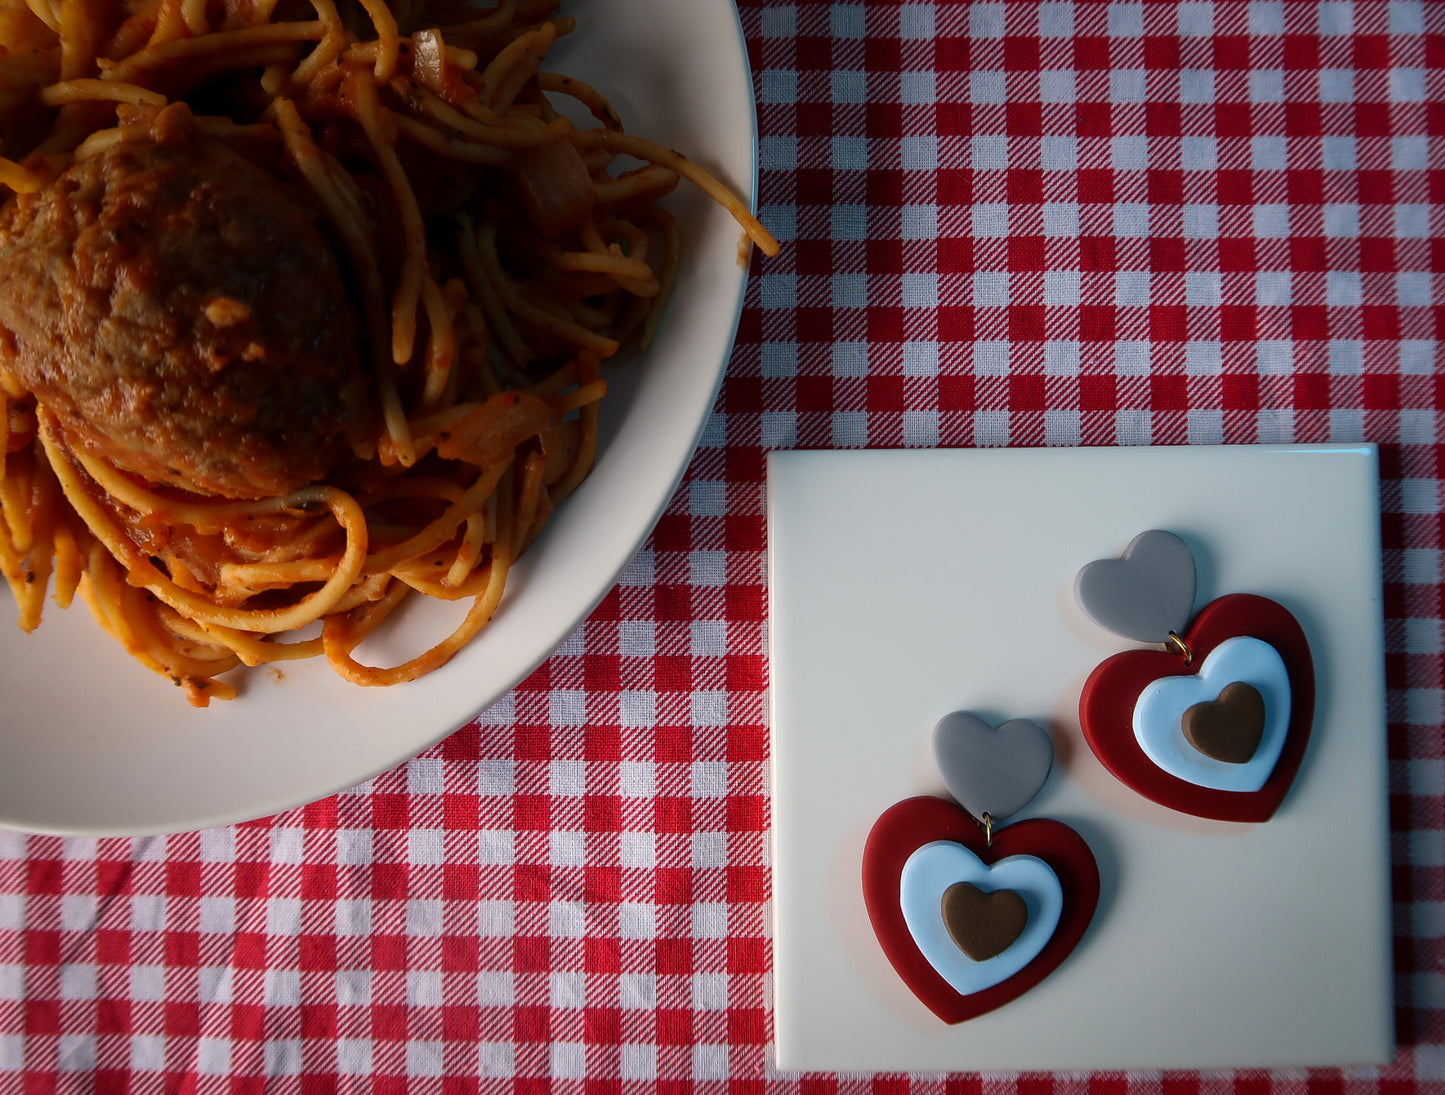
x: 1003, y: 224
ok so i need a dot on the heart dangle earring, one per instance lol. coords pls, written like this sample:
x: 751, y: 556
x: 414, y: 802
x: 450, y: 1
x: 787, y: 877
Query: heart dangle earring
x: 973, y: 914
x: 1216, y: 723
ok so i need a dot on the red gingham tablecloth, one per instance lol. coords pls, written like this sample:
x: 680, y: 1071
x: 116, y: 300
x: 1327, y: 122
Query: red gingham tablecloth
x: 1003, y: 224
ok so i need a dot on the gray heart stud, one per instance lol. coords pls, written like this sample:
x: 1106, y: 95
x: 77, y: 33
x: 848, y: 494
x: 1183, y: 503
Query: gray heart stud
x: 1144, y: 595
x: 997, y: 772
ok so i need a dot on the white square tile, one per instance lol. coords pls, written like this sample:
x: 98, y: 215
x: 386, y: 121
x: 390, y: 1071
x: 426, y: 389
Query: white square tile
x: 858, y: 686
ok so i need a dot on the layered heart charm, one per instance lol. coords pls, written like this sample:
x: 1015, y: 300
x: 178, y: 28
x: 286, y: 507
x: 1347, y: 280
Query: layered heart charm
x: 972, y: 921
x: 1221, y: 735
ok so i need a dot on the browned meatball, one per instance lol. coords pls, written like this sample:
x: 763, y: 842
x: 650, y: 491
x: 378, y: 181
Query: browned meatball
x: 179, y: 311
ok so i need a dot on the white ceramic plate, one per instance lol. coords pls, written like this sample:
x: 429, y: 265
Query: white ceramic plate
x: 92, y: 743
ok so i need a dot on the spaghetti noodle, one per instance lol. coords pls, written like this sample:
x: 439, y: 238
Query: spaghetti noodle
x: 496, y: 253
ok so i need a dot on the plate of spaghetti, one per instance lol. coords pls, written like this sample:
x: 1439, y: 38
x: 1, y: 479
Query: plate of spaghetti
x: 349, y: 349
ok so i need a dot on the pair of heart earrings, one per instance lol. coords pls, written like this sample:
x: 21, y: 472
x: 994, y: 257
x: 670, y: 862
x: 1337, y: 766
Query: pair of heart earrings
x: 971, y: 913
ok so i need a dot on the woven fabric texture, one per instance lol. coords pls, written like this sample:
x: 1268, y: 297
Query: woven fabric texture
x: 1002, y: 224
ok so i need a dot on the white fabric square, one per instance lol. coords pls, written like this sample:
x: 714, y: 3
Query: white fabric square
x: 426, y: 847
x: 1196, y: 85
x: 147, y: 1052
x: 637, y: 638
x: 710, y: 1062
x: 495, y: 989
x: 991, y: 357
x: 1057, y: 86
x: 1347, y: 357
x: 1126, y: 20
x: 639, y: 709
x: 849, y: 290
x: 637, y: 850
x: 779, y: 430
x: 1407, y: 85
x: 1201, y: 222
x: 990, y: 289
x: 636, y: 920
x: 148, y: 983
x: 920, y: 429
x: 708, y: 568
x: 637, y: 1062
x: 917, y: 88
x: 1410, y: 153
x: 1202, y: 288
x: 990, y: 152
x: 1128, y: 85
x: 919, y: 290
x: 1058, y: 153
x: 779, y: 359
x: 1266, y: 17
x: 1268, y: 153
x: 213, y: 1056
x: 1341, y: 220
x: 567, y: 1060
x: 1131, y: 358
x: 567, y: 848
x: 76, y: 1053
x: 425, y: 1059
x: 1062, y: 427
x: 282, y: 987
x: 1056, y: 20
x: 919, y: 222
x: 1413, y: 289
x: 424, y: 988
x: 1061, y: 358
x: 709, y: 850
x: 1061, y: 288
x: 1061, y: 219
x: 986, y: 20
x: 567, y: 706
x: 1133, y: 288
x: 567, y: 989
x: 1273, y: 288
x: 1195, y: 20
x: 77, y: 982
x: 1343, y: 289
x: 1271, y: 221
x: 920, y: 359
x: 710, y: 920
x: 567, y: 778
x: 709, y: 638
x: 637, y: 991
x: 918, y: 153
x: 1131, y: 219
x: 1337, y: 85
x: 1274, y: 357
x: 352, y: 988
x: 710, y: 708
x: 1198, y: 153
x: 1407, y: 17
x: 1417, y: 357
x: 990, y: 219
x: 353, y: 1056
x: 987, y: 86
x: 1203, y: 359
x: 495, y: 1059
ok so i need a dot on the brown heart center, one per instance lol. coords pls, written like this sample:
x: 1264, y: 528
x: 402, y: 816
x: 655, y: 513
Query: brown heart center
x: 1229, y: 728
x: 983, y: 923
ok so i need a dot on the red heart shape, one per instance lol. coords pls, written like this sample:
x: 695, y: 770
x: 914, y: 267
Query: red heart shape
x: 908, y: 825
x: 1106, y: 708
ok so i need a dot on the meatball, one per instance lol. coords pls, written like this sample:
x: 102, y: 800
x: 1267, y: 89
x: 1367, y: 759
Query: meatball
x: 178, y: 309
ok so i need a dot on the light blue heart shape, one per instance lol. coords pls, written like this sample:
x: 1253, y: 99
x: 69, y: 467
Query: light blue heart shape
x: 934, y: 867
x: 1159, y: 711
